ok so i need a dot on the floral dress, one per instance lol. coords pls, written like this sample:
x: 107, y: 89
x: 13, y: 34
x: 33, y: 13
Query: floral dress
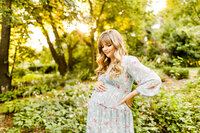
x: 105, y: 114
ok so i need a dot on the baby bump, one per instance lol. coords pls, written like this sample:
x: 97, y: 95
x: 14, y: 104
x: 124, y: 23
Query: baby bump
x: 109, y: 98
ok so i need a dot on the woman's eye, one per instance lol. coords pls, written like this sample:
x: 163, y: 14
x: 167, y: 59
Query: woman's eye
x: 109, y: 45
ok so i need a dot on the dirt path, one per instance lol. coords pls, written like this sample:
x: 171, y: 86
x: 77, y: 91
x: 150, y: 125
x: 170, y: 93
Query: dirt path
x: 171, y: 83
x: 6, y: 121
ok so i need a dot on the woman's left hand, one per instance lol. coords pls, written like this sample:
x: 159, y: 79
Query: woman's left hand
x: 129, y: 98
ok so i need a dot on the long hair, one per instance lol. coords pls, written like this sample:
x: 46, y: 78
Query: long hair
x: 110, y: 37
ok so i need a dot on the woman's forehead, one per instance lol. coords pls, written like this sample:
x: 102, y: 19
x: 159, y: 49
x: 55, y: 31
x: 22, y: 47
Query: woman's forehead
x: 106, y: 42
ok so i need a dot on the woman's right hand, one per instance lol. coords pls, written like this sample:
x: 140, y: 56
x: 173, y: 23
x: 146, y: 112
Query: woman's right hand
x: 99, y: 86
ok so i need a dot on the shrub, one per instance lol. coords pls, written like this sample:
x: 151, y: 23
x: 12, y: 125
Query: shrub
x: 157, y: 62
x: 179, y: 73
x: 85, y: 74
x: 19, y: 72
x: 7, y: 96
x: 43, y: 69
x: 161, y: 75
x: 181, y: 41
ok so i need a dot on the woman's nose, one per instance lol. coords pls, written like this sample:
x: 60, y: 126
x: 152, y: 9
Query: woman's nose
x: 105, y: 48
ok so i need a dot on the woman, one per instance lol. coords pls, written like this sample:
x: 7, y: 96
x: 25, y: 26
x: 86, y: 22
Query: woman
x: 109, y: 109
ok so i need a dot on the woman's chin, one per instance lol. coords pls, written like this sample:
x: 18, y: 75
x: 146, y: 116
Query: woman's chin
x: 108, y: 56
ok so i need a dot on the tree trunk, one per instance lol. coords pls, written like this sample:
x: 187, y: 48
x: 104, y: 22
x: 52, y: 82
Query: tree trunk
x: 59, y: 59
x: 5, y: 83
x: 70, y: 58
x: 92, y: 48
x: 62, y: 65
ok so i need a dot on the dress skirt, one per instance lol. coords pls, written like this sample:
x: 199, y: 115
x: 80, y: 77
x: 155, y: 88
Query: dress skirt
x: 102, y: 119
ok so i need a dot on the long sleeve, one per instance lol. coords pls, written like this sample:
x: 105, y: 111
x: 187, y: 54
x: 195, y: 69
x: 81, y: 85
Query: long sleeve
x: 148, y: 81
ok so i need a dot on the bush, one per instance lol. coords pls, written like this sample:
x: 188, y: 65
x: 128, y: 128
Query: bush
x: 157, y: 62
x: 7, y: 96
x: 19, y: 72
x: 179, y: 73
x: 43, y: 69
x: 181, y: 41
x: 85, y: 74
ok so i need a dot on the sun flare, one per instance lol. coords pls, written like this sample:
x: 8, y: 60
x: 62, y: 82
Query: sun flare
x: 84, y: 28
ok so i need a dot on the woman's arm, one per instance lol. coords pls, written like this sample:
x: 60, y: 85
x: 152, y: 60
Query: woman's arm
x: 148, y: 81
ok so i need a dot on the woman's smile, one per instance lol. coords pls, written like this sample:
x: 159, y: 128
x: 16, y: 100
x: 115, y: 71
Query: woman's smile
x: 108, y: 50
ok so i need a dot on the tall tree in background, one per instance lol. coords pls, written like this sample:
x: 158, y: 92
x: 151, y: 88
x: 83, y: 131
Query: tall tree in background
x: 51, y: 15
x: 72, y: 40
x: 5, y: 82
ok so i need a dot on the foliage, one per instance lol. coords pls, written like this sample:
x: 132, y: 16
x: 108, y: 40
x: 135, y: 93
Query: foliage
x: 179, y: 73
x: 179, y: 31
x: 66, y: 110
x: 19, y: 72
x: 162, y: 77
x: 31, y: 85
x: 157, y: 62
x: 36, y: 84
x: 43, y: 69
x: 7, y: 96
x: 176, y: 111
x: 57, y: 111
x: 85, y: 74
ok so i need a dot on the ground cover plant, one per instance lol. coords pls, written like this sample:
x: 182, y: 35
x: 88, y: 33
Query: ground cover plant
x: 65, y: 110
x: 57, y: 111
x: 179, y: 73
x: 32, y: 84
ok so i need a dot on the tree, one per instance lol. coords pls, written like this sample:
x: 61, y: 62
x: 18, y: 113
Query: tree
x: 5, y: 82
x: 179, y: 31
x: 53, y: 13
x: 72, y: 41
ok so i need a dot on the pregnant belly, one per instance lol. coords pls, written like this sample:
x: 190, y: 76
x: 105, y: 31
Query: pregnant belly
x: 109, y: 98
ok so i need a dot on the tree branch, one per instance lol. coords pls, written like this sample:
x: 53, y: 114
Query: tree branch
x: 101, y: 11
x: 75, y: 44
x: 53, y: 51
x: 91, y: 8
x: 55, y: 31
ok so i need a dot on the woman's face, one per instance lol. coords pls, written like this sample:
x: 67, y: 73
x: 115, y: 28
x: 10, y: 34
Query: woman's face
x: 108, y: 50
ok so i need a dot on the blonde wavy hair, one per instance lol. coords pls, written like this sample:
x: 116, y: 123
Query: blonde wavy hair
x: 110, y: 37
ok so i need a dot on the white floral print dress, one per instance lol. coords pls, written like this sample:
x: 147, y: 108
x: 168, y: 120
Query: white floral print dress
x: 105, y: 115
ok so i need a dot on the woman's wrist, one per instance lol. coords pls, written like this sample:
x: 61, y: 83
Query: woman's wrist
x: 134, y: 93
